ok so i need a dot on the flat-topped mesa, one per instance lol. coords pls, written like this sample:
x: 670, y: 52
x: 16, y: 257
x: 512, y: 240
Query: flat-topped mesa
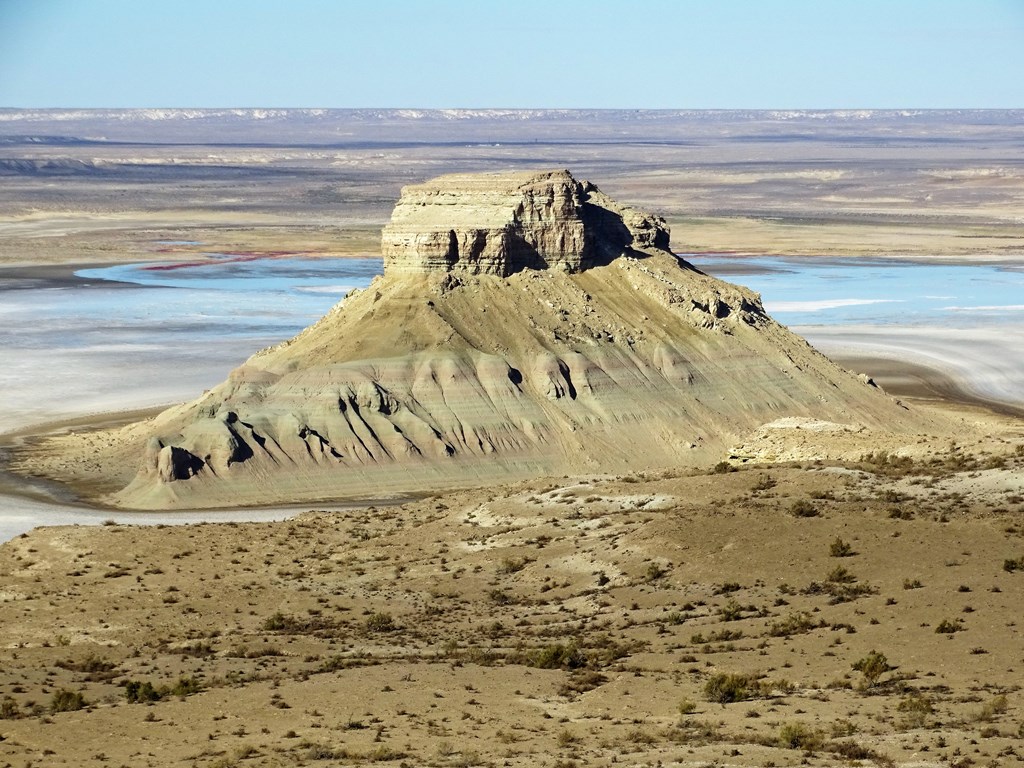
x: 463, y: 365
x: 503, y: 223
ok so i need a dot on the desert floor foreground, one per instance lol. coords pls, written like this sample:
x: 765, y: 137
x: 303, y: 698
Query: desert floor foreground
x: 666, y: 618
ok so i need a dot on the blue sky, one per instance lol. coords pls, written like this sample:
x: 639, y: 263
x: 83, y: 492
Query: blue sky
x: 713, y: 54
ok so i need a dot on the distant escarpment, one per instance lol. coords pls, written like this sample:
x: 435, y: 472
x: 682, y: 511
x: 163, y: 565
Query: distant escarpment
x: 525, y: 324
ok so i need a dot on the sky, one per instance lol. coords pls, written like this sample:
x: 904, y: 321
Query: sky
x: 672, y: 54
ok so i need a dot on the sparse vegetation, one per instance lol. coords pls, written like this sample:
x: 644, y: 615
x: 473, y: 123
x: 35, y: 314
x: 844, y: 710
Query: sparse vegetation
x: 729, y: 687
x: 872, y: 667
x: 841, y: 586
x: 663, y: 620
x: 9, y: 708
x: 558, y: 656
x: 800, y: 736
x: 993, y: 708
x: 916, y: 709
x: 840, y: 548
x: 946, y: 627
x: 381, y: 622
x: 851, y: 750
x: 581, y: 681
x: 1011, y: 564
x: 66, y: 700
x: 654, y: 572
x: 731, y: 611
x: 727, y: 588
x: 598, y: 619
x: 803, y: 508
x: 142, y: 691
x: 889, y: 464
x: 794, y: 624
x: 840, y: 575
x: 510, y: 565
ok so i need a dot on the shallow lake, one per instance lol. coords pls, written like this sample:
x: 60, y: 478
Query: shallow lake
x: 802, y: 292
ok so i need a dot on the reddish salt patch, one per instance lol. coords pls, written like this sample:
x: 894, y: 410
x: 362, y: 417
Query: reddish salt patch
x: 229, y: 257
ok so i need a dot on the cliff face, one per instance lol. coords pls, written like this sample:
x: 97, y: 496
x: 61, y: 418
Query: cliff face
x: 502, y: 223
x: 525, y: 325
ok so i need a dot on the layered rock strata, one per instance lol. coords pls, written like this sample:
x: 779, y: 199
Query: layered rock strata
x: 502, y: 223
x: 525, y: 325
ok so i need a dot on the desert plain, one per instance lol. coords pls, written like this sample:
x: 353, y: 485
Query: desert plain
x: 812, y: 596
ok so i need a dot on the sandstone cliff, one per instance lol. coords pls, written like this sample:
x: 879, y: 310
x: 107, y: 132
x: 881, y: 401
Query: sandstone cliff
x: 525, y: 325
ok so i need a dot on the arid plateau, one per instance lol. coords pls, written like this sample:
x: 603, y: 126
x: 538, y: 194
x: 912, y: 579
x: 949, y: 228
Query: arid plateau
x: 555, y: 496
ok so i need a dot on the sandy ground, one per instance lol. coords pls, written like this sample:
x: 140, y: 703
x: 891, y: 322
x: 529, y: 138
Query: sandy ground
x: 725, y: 618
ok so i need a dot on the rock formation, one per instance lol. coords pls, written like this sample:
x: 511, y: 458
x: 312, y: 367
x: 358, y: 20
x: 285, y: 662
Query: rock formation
x: 500, y: 224
x: 525, y: 325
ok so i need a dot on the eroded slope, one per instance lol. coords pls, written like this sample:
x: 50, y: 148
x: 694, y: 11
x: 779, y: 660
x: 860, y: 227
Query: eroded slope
x: 533, y: 352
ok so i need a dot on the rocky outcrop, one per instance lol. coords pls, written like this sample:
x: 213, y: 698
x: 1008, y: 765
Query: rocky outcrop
x: 502, y: 223
x: 525, y: 325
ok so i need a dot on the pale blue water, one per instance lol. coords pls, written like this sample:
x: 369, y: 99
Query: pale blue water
x: 131, y: 337
x: 268, y: 275
x: 137, y: 336
x: 804, y: 292
x: 965, y: 320
x: 130, y: 304
x: 255, y: 297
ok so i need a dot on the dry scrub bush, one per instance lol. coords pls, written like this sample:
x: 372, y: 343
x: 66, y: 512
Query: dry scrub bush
x: 947, y: 627
x: 1011, y: 564
x: 142, y: 692
x: 799, y: 736
x: 996, y: 706
x: 872, y: 667
x: 9, y: 709
x: 687, y: 707
x: 794, y: 624
x: 66, y: 701
x: 915, y: 709
x: 728, y: 687
x: 559, y: 656
x: 381, y: 622
x: 510, y: 565
x: 840, y: 548
x: 803, y: 508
